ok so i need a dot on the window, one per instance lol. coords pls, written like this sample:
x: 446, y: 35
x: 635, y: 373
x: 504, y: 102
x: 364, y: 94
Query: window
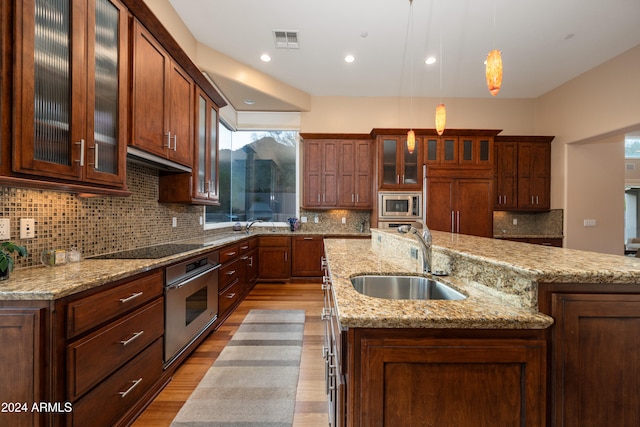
x: 258, y: 172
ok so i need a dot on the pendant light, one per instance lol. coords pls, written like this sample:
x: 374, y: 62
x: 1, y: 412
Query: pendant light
x: 441, y: 112
x: 493, y: 63
x: 411, y: 135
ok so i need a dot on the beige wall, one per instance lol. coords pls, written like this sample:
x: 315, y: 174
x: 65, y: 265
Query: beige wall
x: 589, y: 116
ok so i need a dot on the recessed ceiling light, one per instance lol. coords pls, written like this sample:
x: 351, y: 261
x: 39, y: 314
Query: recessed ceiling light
x: 349, y: 58
x: 430, y: 60
x: 249, y: 101
x: 265, y: 57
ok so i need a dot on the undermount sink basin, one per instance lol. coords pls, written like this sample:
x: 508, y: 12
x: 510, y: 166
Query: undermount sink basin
x: 404, y: 287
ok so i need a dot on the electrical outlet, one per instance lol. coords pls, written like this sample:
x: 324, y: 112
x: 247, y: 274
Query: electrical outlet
x: 174, y: 222
x: 344, y: 220
x: 590, y: 223
x: 27, y: 228
x: 315, y: 219
x: 515, y: 221
x: 5, y: 228
x: 414, y: 253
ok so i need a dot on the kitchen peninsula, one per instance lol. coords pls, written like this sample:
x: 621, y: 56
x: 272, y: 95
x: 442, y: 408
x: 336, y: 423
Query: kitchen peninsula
x: 519, y: 350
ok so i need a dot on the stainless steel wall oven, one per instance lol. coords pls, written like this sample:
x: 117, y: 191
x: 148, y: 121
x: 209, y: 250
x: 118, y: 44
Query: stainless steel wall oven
x: 191, y: 302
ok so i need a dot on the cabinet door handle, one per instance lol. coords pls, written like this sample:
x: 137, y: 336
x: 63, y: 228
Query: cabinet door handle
x: 232, y: 295
x: 231, y: 273
x: 175, y: 142
x: 452, y: 222
x: 458, y: 221
x: 286, y: 256
x: 123, y: 394
x: 397, y: 179
x: 318, y: 197
x: 135, y: 336
x: 168, y: 135
x: 132, y: 297
x: 352, y: 198
x: 250, y: 261
x: 81, y: 144
x: 95, y: 155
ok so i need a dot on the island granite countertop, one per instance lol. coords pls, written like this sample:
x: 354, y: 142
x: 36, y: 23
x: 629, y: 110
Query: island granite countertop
x: 499, y: 277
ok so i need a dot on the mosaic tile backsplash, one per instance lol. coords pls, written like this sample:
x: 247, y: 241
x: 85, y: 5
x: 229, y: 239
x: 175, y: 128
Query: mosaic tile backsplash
x: 100, y: 224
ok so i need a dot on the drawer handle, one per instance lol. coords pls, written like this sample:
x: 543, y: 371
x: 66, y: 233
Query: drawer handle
x: 307, y: 238
x: 231, y: 273
x: 231, y: 295
x: 130, y: 340
x: 231, y: 253
x: 244, y: 247
x: 123, y: 394
x: 133, y: 296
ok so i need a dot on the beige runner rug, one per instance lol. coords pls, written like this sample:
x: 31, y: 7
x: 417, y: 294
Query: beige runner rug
x: 254, y: 380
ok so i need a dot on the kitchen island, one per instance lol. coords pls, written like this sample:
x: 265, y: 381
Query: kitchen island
x: 506, y: 355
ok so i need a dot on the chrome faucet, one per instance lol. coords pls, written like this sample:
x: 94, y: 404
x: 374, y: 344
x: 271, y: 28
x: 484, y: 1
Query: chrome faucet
x: 247, y: 228
x: 425, y: 241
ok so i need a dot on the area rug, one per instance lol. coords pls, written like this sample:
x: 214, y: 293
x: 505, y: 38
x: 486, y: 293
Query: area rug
x: 254, y: 380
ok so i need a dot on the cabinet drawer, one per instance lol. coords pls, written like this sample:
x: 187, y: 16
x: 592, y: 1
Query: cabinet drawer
x: 94, y: 357
x: 89, y: 312
x: 248, y: 245
x: 228, y: 273
x: 229, y: 297
x: 274, y: 240
x: 228, y: 253
x: 106, y: 403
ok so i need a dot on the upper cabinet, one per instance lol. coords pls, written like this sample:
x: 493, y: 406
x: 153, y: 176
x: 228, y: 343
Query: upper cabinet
x: 523, y: 173
x: 337, y: 171
x: 201, y: 185
x: 70, y: 115
x: 399, y: 168
x: 162, y: 101
x: 453, y: 150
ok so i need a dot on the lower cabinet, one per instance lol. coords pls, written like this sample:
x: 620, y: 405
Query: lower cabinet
x: 22, y: 356
x: 595, y: 354
x: 236, y: 276
x: 307, y: 252
x: 275, y: 258
x: 446, y: 378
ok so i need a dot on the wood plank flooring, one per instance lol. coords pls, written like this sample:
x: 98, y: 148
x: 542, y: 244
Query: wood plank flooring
x: 311, y: 400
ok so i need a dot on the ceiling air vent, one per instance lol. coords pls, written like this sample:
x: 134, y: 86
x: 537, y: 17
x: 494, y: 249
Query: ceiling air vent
x: 286, y: 39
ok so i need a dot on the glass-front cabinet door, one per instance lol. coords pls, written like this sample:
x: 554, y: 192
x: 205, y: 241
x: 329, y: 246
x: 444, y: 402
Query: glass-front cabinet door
x: 71, y: 106
x: 205, y: 172
x: 400, y: 168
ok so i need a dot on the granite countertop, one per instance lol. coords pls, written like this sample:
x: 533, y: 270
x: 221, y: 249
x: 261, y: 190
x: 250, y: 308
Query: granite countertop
x: 348, y: 258
x: 51, y: 283
x: 493, y: 304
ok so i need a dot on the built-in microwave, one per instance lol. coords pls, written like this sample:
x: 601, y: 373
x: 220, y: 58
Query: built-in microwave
x: 400, y: 205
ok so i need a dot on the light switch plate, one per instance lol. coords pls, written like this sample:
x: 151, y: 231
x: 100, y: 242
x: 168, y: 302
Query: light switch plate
x: 27, y: 228
x: 5, y: 228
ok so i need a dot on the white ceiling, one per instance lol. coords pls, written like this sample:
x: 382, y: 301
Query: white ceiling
x: 544, y: 43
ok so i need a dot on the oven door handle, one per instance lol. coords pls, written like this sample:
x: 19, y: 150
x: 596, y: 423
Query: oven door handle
x: 190, y: 279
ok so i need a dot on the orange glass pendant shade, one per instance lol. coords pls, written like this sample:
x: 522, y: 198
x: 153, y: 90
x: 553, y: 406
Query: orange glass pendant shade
x: 441, y: 118
x: 411, y: 141
x: 494, y: 71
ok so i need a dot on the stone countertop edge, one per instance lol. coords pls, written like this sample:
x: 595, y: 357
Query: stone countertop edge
x: 51, y: 283
x: 480, y: 310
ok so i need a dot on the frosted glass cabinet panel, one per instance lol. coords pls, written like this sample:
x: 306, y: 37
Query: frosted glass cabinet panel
x: 71, y: 108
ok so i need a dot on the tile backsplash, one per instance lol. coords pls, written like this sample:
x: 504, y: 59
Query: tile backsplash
x: 528, y: 223
x: 99, y: 224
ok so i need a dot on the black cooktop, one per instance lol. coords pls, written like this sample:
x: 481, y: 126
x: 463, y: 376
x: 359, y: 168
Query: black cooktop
x: 151, y: 252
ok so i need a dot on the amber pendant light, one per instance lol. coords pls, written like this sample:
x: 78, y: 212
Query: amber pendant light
x: 411, y: 141
x: 494, y: 71
x: 441, y: 118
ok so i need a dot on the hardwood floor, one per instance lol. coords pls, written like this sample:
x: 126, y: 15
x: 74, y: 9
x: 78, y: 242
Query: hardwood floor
x: 311, y: 400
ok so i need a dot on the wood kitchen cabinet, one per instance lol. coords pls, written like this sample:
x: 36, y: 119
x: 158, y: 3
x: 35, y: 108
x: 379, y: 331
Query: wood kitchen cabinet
x: 320, y: 174
x: 399, y: 169
x: 274, y: 253
x: 459, y: 150
x: 307, y: 253
x: 200, y: 186
x: 23, y: 377
x: 337, y: 171
x: 595, y: 354
x: 523, y: 173
x: 70, y: 103
x: 458, y: 378
x: 162, y: 101
x: 460, y: 205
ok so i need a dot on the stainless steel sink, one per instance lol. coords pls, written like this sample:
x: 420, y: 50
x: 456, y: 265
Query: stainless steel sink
x: 404, y: 287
